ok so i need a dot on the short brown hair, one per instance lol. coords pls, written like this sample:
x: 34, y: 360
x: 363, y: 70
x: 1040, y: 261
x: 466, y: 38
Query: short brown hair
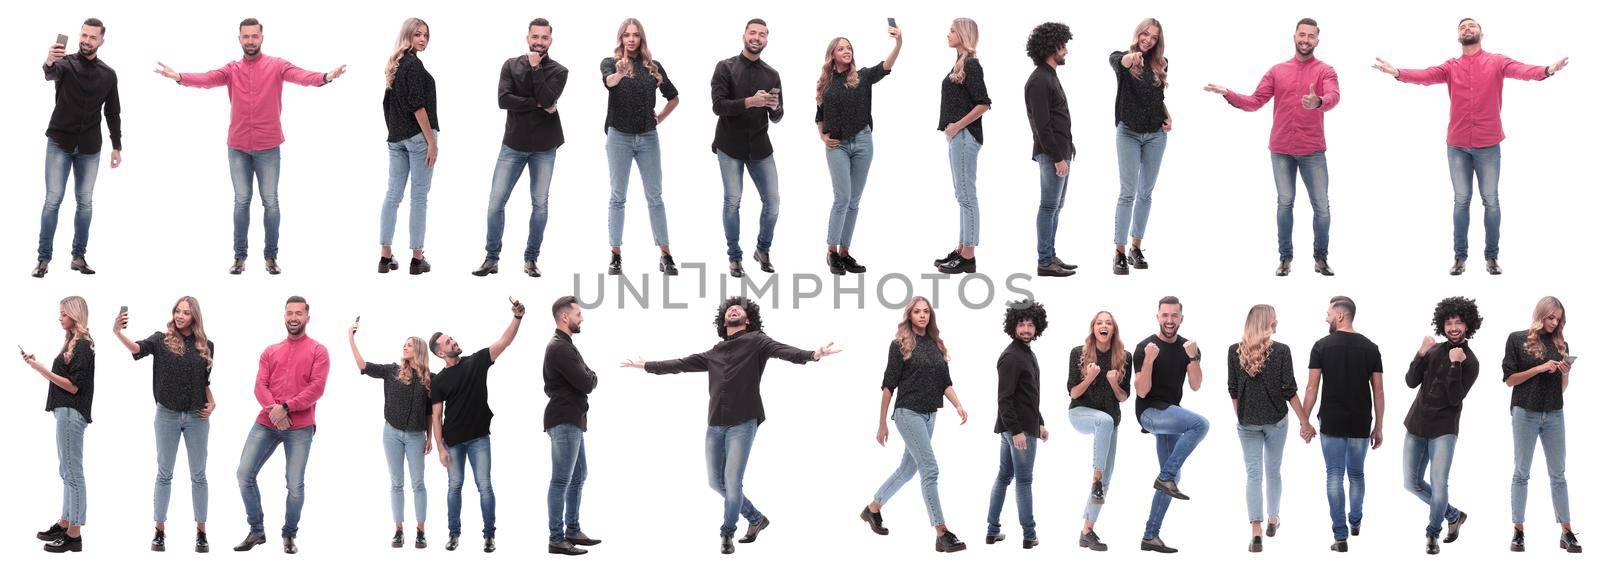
x: 95, y: 22
x: 763, y: 23
x: 1308, y: 22
x: 1170, y: 300
x: 251, y: 22
x: 1344, y: 304
x: 542, y: 23
x: 562, y: 305
x: 299, y: 299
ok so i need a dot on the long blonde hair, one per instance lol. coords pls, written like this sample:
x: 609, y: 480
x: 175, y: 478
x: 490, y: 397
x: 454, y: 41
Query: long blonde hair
x: 1256, y: 345
x: 77, y: 309
x: 418, y: 362
x: 401, y: 46
x: 1158, y: 54
x: 967, y: 32
x: 1547, y: 306
x: 1091, y: 352
x: 644, y: 48
x: 908, y: 337
x: 851, y: 78
x: 197, y: 327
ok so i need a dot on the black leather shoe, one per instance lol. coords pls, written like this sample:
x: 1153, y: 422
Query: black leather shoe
x: 201, y: 545
x: 874, y: 520
x: 735, y: 269
x: 959, y: 265
x: 1322, y: 268
x: 251, y: 541
x: 1517, y: 542
x: 453, y: 543
x: 948, y: 543
x: 488, y: 545
x: 1119, y: 264
x: 1454, y: 528
x: 399, y: 539
x: 1272, y: 529
x: 237, y: 268
x: 1136, y: 259
x: 421, y: 542
x: 1055, y: 270
x: 1057, y: 261
x: 489, y: 267
x: 1493, y: 267
x: 668, y: 266
x: 850, y: 265
x: 1283, y: 267
x: 272, y: 267
x: 1458, y: 268
x: 584, y: 540
x: 1169, y: 488
x: 1433, y: 545
x: 1569, y: 542
x: 82, y: 266
x: 1255, y: 544
x: 953, y: 255
x: 55, y: 532
x: 159, y: 542
x: 566, y: 548
x: 393, y: 264
x: 64, y: 544
x: 765, y: 259
x: 531, y: 268
x: 835, y: 263
x: 1355, y: 529
x: 1157, y: 545
x: 1097, y: 492
x: 727, y: 545
x: 1091, y: 541
x: 993, y: 538
x: 289, y: 547
x: 755, y: 529
x: 44, y: 267
x: 1030, y: 543
x: 1340, y: 546
x: 386, y: 264
x: 615, y: 268
x: 419, y: 266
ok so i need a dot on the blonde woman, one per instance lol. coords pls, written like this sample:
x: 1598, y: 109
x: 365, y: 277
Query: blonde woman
x: 70, y: 395
x: 1098, y: 385
x: 1536, y: 366
x: 408, y: 428
x: 844, y: 122
x: 963, y: 99
x: 1261, y: 383
x: 411, y: 112
x: 1142, y: 126
x: 632, y: 77
x: 181, y: 382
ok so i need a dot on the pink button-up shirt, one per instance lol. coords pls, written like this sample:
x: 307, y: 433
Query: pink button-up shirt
x: 1475, y: 82
x: 255, y: 90
x: 293, y: 372
x: 1295, y: 129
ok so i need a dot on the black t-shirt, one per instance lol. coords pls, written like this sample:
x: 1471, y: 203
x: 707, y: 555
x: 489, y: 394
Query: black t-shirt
x: 464, y: 389
x: 1347, y: 361
x: 1166, y: 376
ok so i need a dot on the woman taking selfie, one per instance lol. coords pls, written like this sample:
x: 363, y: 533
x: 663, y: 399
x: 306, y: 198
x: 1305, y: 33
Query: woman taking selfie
x: 406, y: 433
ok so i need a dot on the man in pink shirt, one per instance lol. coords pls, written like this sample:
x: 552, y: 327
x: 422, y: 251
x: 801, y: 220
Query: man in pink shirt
x: 1304, y: 88
x: 255, y: 91
x: 291, y: 378
x: 1475, y: 80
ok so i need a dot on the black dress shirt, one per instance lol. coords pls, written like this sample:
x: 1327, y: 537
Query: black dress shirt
x: 957, y: 100
x: 179, y: 381
x: 742, y: 133
x: 1436, y: 410
x: 413, y: 89
x: 1542, y: 392
x: 568, y: 382
x: 631, y: 104
x: 527, y: 94
x: 919, y: 382
x: 80, y: 370
x: 1019, y: 391
x: 1141, y: 104
x: 734, y: 367
x: 83, y: 88
x: 1048, y: 115
x: 845, y: 111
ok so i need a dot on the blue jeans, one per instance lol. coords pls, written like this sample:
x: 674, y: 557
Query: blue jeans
x: 58, y: 163
x: 258, y: 447
x: 260, y: 168
x: 1091, y: 421
x: 1550, y: 428
x: 1313, y: 170
x: 964, y: 176
x: 1257, y: 440
x: 1433, y: 456
x: 1138, y: 163
x: 508, y: 169
x: 403, y: 451
x: 408, y: 158
x: 1345, y: 456
x: 847, y: 166
x: 1014, y: 464
x: 1052, y: 197
x: 172, y: 425
x: 727, y: 454
x: 622, y: 150
x: 476, y: 451
x: 916, y: 428
x: 764, y: 172
x: 569, y: 466
x: 1483, y: 162
x: 1178, y: 431
x: 69, y: 453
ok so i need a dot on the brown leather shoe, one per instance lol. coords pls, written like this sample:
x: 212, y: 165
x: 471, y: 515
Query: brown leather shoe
x: 82, y: 266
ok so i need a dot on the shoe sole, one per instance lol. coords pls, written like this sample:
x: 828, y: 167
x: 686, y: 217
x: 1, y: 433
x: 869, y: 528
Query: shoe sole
x: 672, y: 272
x: 158, y: 548
x: 493, y: 271
x: 206, y: 549
x: 1157, y: 549
x: 942, y: 549
x: 1087, y: 545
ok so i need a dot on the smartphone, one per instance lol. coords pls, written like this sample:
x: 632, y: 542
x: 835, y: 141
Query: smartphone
x: 358, y: 319
x: 1571, y: 358
x: 24, y: 353
x: 514, y: 301
x: 124, y: 310
x: 892, y: 24
x: 61, y: 40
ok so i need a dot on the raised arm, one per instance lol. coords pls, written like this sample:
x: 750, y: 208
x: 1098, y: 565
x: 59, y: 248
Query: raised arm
x: 1144, y: 358
x: 355, y: 352
x: 509, y: 335
x: 894, y: 54
x: 117, y: 325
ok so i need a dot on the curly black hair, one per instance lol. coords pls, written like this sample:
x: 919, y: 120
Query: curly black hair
x: 1025, y: 311
x: 1045, y: 39
x: 1459, y: 307
x: 752, y: 313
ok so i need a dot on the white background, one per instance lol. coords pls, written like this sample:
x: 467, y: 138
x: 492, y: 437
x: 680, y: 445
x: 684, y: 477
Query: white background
x: 162, y: 230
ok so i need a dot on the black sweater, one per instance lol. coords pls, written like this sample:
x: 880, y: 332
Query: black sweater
x: 1436, y: 411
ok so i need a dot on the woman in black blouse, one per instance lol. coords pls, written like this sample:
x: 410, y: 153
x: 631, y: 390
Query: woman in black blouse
x: 963, y: 99
x: 919, y: 369
x: 844, y: 122
x: 181, y: 382
x: 1142, y: 125
x: 410, y: 111
x: 1261, y: 383
x: 407, y: 429
x: 1536, y: 366
x: 1097, y: 385
x: 632, y: 77
x: 69, y: 398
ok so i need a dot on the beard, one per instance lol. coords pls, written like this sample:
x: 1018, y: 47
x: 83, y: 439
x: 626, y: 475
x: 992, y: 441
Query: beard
x: 1305, y: 49
x: 252, y: 51
x: 86, y: 50
x: 1332, y: 328
x: 735, y: 321
x: 541, y: 50
x: 1469, y: 40
x: 754, y: 48
x: 295, y: 330
x: 576, y: 328
x: 1169, y: 333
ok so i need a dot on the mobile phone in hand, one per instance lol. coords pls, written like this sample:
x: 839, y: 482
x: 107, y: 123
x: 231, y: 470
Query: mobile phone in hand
x: 61, y: 40
x: 123, y: 310
x: 24, y: 353
x: 1571, y: 358
x: 514, y: 301
x: 892, y: 24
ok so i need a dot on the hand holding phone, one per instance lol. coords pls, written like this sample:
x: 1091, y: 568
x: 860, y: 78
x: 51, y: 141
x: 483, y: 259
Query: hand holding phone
x: 61, y: 40
x: 892, y: 24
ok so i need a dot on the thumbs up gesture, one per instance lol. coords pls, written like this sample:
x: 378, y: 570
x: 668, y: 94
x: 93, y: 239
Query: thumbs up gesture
x: 1311, y: 100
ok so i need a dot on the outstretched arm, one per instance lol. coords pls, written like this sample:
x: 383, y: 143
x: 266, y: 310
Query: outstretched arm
x: 509, y: 335
x: 355, y: 352
x: 888, y: 63
x: 1252, y: 102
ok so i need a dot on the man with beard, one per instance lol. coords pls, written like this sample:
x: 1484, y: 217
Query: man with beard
x: 1442, y: 375
x: 85, y: 86
x: 735, y: 367
x: 567, y: 382
x: 1051, y: 122
x: 461, y: 415
x: 1297, y: 143
x: 289, y: 382
x: 1161, y: 362
x: 1019, y: 423
x: 255, y: 94
x: 746, y: 94
x: 530, y: 84
x: 1473, y: 138
x: 1349, y: 370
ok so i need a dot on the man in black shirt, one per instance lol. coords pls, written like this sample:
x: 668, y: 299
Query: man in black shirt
x: 1161, y: 362
x: 746, y: 94
x: 461, y: 415
x: 735, y: 367
x: 568, y: 382
x: 85, y: 86
x: 1051, y: 123
x: 1352, y: 412
x: 1442, y: 374
x: 530, y: 84
x: 1019, y: 422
